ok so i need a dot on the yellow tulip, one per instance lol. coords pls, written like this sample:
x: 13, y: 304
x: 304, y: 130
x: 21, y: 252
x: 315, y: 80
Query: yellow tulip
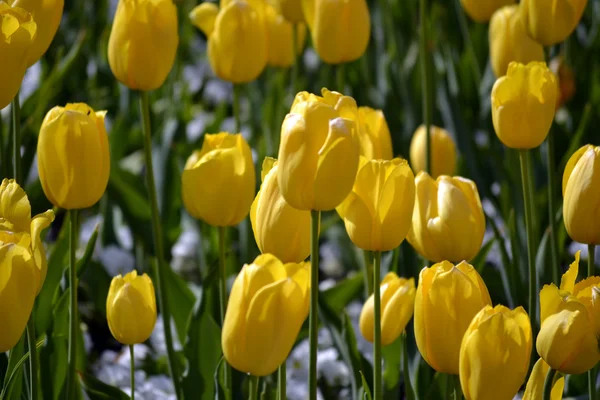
x: 316, y: 140
x: 552, y: 23
x: 483, y: 10
x: 237, y: 38
x: 443, y: 151
x: 143, y: 43
x: 291, y: 10
x: 131, y: 308
x: 17, y: 287
x: 281, y: 40
x: 523, y: 105
x: 340, y: 29
x: 279, y: 228
x: 448, y: 221
x: 535, y: 384
x: 581, y: 210
x: 374, y: 136
x: 16, y: 223
x: 217, y: 183
x: 570, y: 317
x: 397, y: 305
x: 269, y: 301
x: 73, y: 157
x: 448, y: 297
x: 17, y: 35
x: 497, y: 344
x: 378, y: 211
x: 509, y: 41
x: 47, y: 15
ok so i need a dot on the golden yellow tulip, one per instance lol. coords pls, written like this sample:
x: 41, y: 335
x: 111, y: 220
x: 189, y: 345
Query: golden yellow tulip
x: 281, y: 41
x: 509, y: 41
x: 16, y: 224
x: 279, y: 229
x: 269, y: 301
x: 374, y: 136
x: 340, y: 29
x: 131, y: 308
x: 397, y: 305
x: 570, y: 318
x: 523, y: 105
x: 291, y: 10
x: 73, y: 157
x: 378, y: 211
x: 17, y: 34
x: 217, y: 183
x: 47, y: 15
x: 448, y: 221
x: 581, y: 209
x: 143, y: 43
x: 497, y: 343
x: 316, y: 139
x: 237, y: 38
x: 483, y: 10
x: 443, y: 151
x: 448, y: 297
x: 552, y: 23
x: 535, y: 384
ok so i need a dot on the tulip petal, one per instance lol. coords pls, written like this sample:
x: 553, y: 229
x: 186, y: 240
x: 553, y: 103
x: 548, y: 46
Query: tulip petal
x: 535, y: 384
x: 15, y: 211
x: 203, y: 17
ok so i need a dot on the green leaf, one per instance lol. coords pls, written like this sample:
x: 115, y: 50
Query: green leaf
x: 393, y: 363
x: 84, y: 261
x: 221, y: 390
x: 181, y: 301
x: 98, y: 390
x: 365, y: 392
x: 13, y: 381
x: 338, y: 296
x: 479, y: 261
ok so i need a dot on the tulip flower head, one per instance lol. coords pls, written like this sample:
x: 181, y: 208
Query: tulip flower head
x: 374, y: 135
x: 523, y: 105
x: 73, y: 156
x: 281, y: 39
x: 535, y: 385
x: 268, y: 304
x: 218, y: 180
x: 397, y: 305
x: 443, y: 151
x: 497, y: 343
x: 447, y: 299
x: 279, y: 228
x: 47, y: 15
x: 483, y: 10
x: 143, y: 43
x: 378, y: 211
x: 291, y: 10
x: 448, y: 221
x: 570, y: 318
x: 550, y: 24
x: 340, y: 29
x: 509, y: 41
x: 237, y: 38
x: 18, y: 31
x: 131, y: 308
x: 581, y: 209
x: 318, y: 155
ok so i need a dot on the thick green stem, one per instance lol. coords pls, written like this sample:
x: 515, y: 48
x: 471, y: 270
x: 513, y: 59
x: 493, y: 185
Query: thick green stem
x: 223, y: 298
x: 408, y: 391
x: 33, y: 360
x: 528, y: 225
x: 132, y: 364
x: 236, y: 107
x: 548, y: 384
x: 552, y: 208
x: 592, y: 373
x: 73, y: 312
x: 294, y: 71
x: 367, y: 272
x: 281, y: 382
x: 253, y: 388
x: 340, y: 77
x: 16, y: 130
x: 314, y: 303
x: 377, y: 392
x: 458, y: 395
x: 427, y: 106
x: 158, y: 244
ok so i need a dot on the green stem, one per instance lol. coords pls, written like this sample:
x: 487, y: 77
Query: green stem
x: 236, y: 107
x: 377, y: 392
x: 294, y: 71
x: 158, y: 244
x: 528, y: 225
x: 464, y: 29
x: 427, y: 106
x: 552, y: 208
x: 458, y: 395
x: 592, y: 373
x: 33, y: 361
x: 16, y: 125
x: 132, y: 364
x: 72, y: 351
x: 253, y: 387
x: 340, y: 77
x: 281, y: 382
x: 367, y: 272
x: 408, y: 391
x: 548, y: 384
x: 314, y: 305
x: 223, y: 298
